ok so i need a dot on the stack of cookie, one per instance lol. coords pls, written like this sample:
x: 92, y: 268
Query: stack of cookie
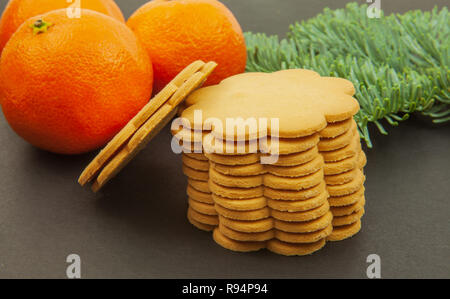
x: 201, y: 211
x: 281, y: 206
x: 340, y: 147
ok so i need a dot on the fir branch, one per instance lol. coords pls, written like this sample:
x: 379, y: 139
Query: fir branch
x: 398, y: 63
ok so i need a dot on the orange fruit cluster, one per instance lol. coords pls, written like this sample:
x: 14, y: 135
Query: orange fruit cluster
x: 69, y: 84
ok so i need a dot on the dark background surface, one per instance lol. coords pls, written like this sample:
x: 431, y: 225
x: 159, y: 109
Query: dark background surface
x: 136, y: 228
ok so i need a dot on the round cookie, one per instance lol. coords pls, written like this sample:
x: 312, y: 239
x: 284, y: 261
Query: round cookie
x: 306, y: 226
x: 349, y: 219
x: 296, y: 107
x: 332, y: 168
x: 295, y: 195
x: 239, y: 170
x: 302, y: 215
x: 195, y: 174
x: 344, y: 232
x: 303, y: 237
x: 201, y: 186
x: 297, y: 158
x: 240, y: 204
x: 243, y: 215
x: 233, y: 160
x: 335, y: 129
x: 234, y: 245
x: 298, y: 170
x: 240, y: 236
x: 236, y: 193
x: 281, y: 146
x: 201, y: 207
x: 254, y: 226
x: 348, y: 188
x: 362, y: 159
x: 197, y: 156
x: 194, y: 163
x: 288, y: 146
x: 199, y: 196
x: 187, y: 136
x: 342, y: 178
x: 347, y: 210
x: 299, y: 205
x: 203, y: 218
x: 299, y: 183
x: 345, y: 200
x: 290, y: 249
x: 199, y: 225
x: 331, y: 144
x: 235, y: 181
x: 347, y: 151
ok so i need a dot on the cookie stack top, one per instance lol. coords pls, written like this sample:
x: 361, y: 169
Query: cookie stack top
x: 302, y: 101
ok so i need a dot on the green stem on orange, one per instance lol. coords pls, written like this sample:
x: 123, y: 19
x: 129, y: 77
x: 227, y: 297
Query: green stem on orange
x: 40, y: 26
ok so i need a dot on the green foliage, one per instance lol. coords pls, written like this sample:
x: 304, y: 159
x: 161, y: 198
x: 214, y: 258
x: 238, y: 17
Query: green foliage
x: 399, y: 64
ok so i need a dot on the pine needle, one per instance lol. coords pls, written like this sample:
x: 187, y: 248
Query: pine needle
x: 399, y: 64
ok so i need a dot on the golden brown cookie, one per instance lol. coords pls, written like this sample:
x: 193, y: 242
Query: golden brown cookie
x: 341, y: 166
x: 252, y: 95
x: 240, y: 236
x: 347, y: 210
x: 137, y: 121
x: 253, y: 226
x: 331, y: 144
x: 241, y: 204
x: 305, y: 226
x: 295, y: 195
x: 348, y: 188
x: 234, y: 245
x: 282, y: 146
x: 301, y: 216
x: 198, y: 195
x: 362, y: 160
x: 203, y: 218
x: 344, y: 232
x: 243, y: 215
x: 342, y: 178
x: 235, y: 181
x: 197, y: 156
x: 300, y: 183
x: 345, y: 200
x: 239, y: 170
x: 297, y: 158
x: 201, y: 207
x: 201, y: 186
x: 290, y: 249
x: 335, y: 129
x: 298, y: 170
x: 199, y: 225
x: 151, y: 127
x: 304, y: 237
x: 194, y: 163
x: 348, y: 219
x: 237, y: 193
x: 195, y: 174
x: 347, y: 151
x: 298, y: 205
x: 233, y: 160
x: 186, y: 137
